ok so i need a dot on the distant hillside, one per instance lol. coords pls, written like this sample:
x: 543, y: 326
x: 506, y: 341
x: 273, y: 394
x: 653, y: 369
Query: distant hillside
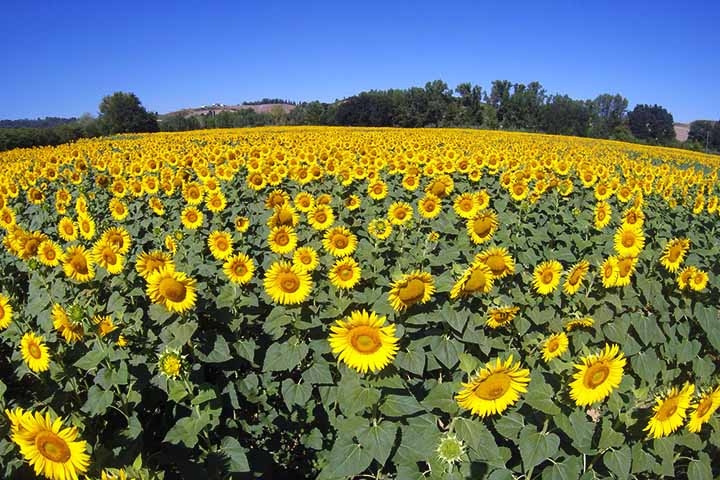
x: 47, y: 122
x: 216, y: 108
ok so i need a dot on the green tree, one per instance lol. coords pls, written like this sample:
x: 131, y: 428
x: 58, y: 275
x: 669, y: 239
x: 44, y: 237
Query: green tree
x: 702, y: 133
x: 565, y: 116
x: 607, y: 115
x: 123, y: 113
x: 651, y: 123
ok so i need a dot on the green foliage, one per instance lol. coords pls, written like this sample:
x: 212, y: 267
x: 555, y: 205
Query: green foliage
x: 123, y: 113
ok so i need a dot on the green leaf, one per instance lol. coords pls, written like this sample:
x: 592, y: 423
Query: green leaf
x: 647, y: 365
x: 159, y: 314
x: 540, y: 395
x: 354, y: 397
x: 442, y: 396
x: 579, y: 428
x: 295, y: 393
x: 348, y: 458
x: 226, y: 296
x: 699, y: 470
x: 446, y: 350
x: 318, y: 374
x: 178, y: 334
x: 246, y: 349
x: 285, y: 356
x: 236, y: 453
x: 567, y: 469
x: 206, y: 393
x: 536, y: 447
x: 619, y: 461
x: 90, y: 360
x: 468, y: 363
x: 412, y: 360
x: 480, y: 440
x: 647, y: 329
x: 707, y: 318
x: 98, y: 401
x: 400, y: 406
x: 186, y: 430
x: 509, y: 425
x: 378, y: 439
x: 609, y: 438
x: 220, y: 352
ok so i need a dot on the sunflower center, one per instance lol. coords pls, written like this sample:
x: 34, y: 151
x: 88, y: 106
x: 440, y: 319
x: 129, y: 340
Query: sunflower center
x: 400, y: 214
x: 518, y: 189
x: 171, y: 366
x: 631, y: 218
x: 668, y: 408
x: 438, y: 189
x: 482, y: 226
x: 68, y: 229
x: 320, y: 217
x: 413, y: 291
x: 476, y: 281
x: 305, y: 259
x: 608, y: 271
x: 466, y: 205
x: 596, y: 375
x: 282, y: 238
x: 429, y: 205
x: 34, y: 350
x: 191, y: 217
x: 50, y: 253
x: 240, y: 269
x: 172, y: 289
x: 601, y: 215
x: 574, y: 277
x: 345, y: 273
x: 365, y: 340
x: 625, y: 267
x: 628, y: 239
x: 494, y: 386
x: 377, y: 189
x: 704, y: 406
x: 496, y: 264
x: 674, y: 253
x: 289, y: 282
x: 109, y: 256
x: 79, y: 264
x: 2, y: 312
x: 340, y: 241
x: 553, y: 345
x: 547, y: 277
x: 52, y: 447
x: 285, y: 217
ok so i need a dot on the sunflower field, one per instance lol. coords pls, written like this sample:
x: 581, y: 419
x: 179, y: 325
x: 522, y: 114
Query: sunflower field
x: 359, y: 303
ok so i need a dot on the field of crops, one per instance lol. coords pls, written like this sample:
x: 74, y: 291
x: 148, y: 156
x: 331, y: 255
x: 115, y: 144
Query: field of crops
x: 370, y: 303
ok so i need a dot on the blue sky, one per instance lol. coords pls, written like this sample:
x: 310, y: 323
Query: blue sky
x: 61, y: 58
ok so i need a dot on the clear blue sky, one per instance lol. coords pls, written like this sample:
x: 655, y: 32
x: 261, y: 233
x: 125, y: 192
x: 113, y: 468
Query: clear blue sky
x: 60, y: 58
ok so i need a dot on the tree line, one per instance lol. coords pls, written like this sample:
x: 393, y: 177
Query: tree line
x: 506, y: 106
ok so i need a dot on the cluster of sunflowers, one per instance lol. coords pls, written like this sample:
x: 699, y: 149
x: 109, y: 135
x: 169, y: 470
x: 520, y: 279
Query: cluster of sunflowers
x: 347, y: 221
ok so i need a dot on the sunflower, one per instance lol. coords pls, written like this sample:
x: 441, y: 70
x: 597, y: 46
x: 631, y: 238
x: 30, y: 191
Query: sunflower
x: 119, y: 238
x: 478, y: 278
x: 482, y: 199
x: 107, y: 256
x: 684, y: 277
x: 377, y: 190
x: 625, y: 269
x: 242, y: 224
x: 482, y: 227
x: 78, y: 264
x: 49, y: 253
x: 602, y: 215
x: 321, y: 217
x: 554, y: 346
x: 171, y: 364
x: 466, y: 205
x: 670, y: 411
x: 239, y: 268
x: 118, y: 209
x: 304, y: 201
x: 35, y: 352
x: 7, y: 217
x: 501, y: 316
x: 707, y: 405
x: 306, y: 258
x: 546, y: 277
x: 362, y: 341
x: 519, y: 190
x: 400, y: 213
x: 495, y: 388
x: 699, y: 280
x: 147, y: 263
x: 345, y: 273
x: 380, y: 228
x: 499, y: 261
x: 105, y: 325
x: 52, y: 451
x: 340, y: 242
x: 597, y: 376
x: 6, y: 312
x: 193, y: 193
x: 216, y: 201
x: 191, y: 218
x: 352, y: 202
x: 634, y: 216
x: 412, y: 288
x: 283, y: 215
x: 674, y: 253
x: 429, y: 206
x: 70, y: 330
x: 282, y: 240
x: 583, y: 322
x: 609, y: 272
x: 575, y: 276
x: 441, y: 186
x: 173, y: 290
x: 276, y: 198
x: 220, y: 244
x: 67, y: 230
x: 629, y: 240
x: 286, y: 284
